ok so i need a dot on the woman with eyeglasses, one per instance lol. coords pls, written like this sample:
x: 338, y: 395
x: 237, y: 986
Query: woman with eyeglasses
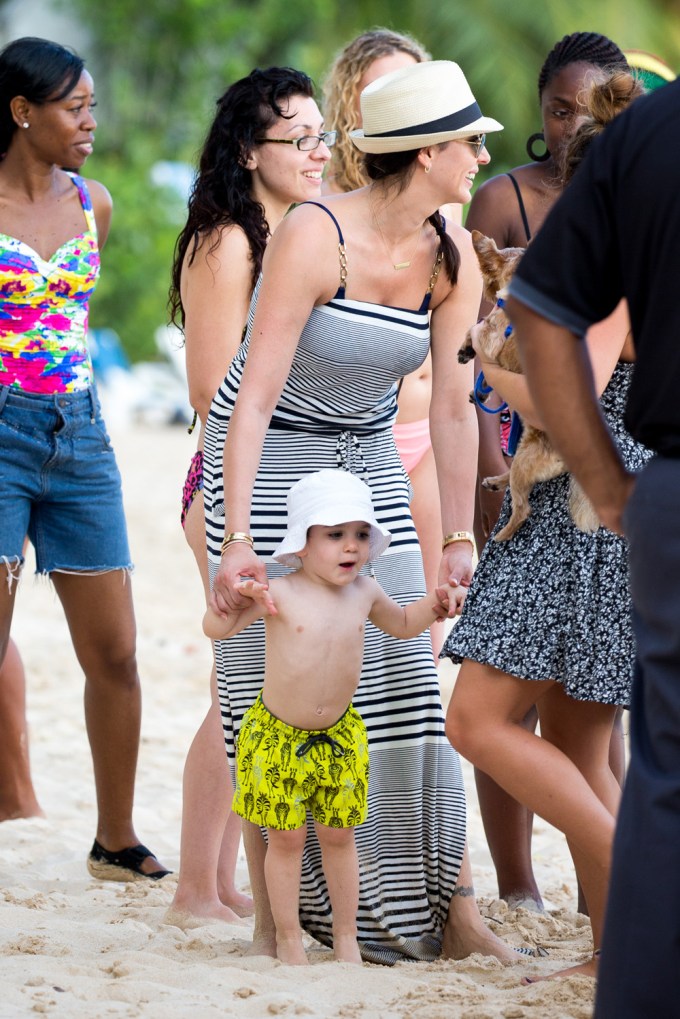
x: 355, y: 290
x: 264, y: 152
x: 510, y: 208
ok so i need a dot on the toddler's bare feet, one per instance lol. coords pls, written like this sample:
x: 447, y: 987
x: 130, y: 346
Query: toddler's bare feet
x: 346, y: 949
x: 263, y: 943
x: 289, y: 950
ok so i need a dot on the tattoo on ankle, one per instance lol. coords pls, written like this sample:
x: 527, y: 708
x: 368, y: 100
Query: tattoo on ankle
x: 464, y: 891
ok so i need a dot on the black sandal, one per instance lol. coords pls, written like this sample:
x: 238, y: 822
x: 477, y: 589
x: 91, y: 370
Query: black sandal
x: 123, y: 865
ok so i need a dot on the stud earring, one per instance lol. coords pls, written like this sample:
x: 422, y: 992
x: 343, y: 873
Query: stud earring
x: 25, y: 124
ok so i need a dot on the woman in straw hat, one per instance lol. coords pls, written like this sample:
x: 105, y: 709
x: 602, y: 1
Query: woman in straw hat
x: 341, y: 312
x: 366, y: 58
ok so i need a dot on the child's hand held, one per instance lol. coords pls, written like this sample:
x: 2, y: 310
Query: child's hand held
x: 258, y: 592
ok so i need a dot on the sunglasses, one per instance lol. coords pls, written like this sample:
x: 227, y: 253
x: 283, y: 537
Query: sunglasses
x: 477, y: 142
x: 306, y: 143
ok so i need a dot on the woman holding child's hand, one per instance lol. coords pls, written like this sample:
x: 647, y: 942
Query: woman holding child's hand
x: 354, y: 293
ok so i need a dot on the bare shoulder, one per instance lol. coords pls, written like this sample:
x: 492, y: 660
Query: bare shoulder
x: 226, y: 241
x: 99, y: 194
x: 308, y: 238
x: 310, y: 219
x: 460, y: 235
x: 490, y: 208
x: 367, y: 588
x: 225, y: 249
x: 102, y: 206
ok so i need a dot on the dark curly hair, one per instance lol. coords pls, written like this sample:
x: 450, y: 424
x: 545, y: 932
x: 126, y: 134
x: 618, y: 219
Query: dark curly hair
x: 221, y: 194
x: 581, y: 47
x: 40, y: 71
x: 394, y: 170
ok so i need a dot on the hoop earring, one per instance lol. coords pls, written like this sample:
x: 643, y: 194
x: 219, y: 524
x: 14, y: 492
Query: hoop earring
x: 537, y: 137
x: 428, y: 168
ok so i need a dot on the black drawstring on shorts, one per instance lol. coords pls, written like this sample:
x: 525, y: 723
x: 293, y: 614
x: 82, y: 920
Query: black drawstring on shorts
x: 320, y: 737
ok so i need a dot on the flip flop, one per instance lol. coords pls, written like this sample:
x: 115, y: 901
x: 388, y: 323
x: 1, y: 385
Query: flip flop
x: 123, y: 865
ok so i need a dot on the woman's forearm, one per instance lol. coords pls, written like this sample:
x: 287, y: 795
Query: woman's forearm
x: 513, y: 389
x: 454, y: 443
x: 242, y: 452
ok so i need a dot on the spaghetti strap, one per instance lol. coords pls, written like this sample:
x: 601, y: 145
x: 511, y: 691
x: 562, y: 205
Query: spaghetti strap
x: 522, y: 210
x: 342, y: 253
x: 85, y: 201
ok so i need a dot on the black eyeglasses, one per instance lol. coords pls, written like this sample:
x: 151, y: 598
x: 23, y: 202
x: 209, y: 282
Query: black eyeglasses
x: 306, y: 142
x: 477, y: 142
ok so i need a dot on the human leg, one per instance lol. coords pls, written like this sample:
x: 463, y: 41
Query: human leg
x: 17, y: 795
x: 465, y: 931
x: 508, y: 827
x: 427, y: 519
x: 341, y: 869
x: 582, y: 730
x: 640, y: 949
x: 617, y: 749
x: 101, y: 620
x: 484, y: 723
x: 282, y: 869
x: 264, y: 930
x: 206, y: 814
x: 211, y: 833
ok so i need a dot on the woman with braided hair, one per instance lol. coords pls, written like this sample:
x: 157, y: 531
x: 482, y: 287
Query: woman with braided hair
x: 242, y: 191
x: 547, y: 623
x: 510, y: 208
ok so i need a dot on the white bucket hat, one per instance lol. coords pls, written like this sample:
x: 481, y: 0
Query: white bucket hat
x: 328, y: 497
x: 419, y: 105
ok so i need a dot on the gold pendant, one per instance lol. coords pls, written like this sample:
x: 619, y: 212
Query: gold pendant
x: 401, y: 265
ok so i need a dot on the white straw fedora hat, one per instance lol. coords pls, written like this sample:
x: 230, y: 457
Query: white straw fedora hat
x: 328, y: 497
x: 419, y: 105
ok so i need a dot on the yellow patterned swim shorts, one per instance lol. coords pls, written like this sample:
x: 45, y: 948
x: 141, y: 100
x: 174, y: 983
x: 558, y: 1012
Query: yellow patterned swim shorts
x: 281, y: 771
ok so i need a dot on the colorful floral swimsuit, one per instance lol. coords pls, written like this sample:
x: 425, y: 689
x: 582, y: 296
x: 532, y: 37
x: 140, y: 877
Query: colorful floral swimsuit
x: 44, y: 310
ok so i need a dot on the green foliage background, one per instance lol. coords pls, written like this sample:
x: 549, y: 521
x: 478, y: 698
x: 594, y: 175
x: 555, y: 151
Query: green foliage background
x: 159, y: 66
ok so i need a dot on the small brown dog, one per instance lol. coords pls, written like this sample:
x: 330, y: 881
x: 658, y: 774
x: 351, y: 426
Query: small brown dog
x: 535, y: 459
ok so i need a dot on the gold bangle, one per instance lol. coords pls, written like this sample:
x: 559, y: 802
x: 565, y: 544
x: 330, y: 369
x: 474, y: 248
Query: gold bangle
x: 230, y: 539
x: 449, y: 539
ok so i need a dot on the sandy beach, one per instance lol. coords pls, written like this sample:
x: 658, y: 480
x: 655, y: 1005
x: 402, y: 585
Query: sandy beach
x: 73, y: 947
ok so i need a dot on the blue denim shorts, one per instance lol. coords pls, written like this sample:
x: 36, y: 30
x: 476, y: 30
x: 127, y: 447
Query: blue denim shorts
x: 59, y: 483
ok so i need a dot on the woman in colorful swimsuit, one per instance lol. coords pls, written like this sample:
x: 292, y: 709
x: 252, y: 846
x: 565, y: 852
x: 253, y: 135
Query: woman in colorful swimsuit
x: 60, y: 482
x: 242, y: 192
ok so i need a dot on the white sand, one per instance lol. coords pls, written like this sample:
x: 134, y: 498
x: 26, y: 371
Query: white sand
x: 73, y: 947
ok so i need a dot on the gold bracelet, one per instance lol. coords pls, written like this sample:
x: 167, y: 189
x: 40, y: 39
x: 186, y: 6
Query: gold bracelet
x: 449, y: 539
x: 231, y: 539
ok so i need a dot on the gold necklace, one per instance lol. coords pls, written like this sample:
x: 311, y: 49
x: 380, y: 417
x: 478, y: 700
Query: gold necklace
x: 397, y: 265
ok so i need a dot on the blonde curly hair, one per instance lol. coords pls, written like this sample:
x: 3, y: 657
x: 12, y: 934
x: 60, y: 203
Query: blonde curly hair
x: 341, y: 92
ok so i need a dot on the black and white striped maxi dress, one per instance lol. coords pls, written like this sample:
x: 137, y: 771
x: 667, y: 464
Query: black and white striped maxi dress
x: 336, y: 409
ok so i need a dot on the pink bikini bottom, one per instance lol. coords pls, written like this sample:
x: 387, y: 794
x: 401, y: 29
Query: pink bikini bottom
x: 413, y: 441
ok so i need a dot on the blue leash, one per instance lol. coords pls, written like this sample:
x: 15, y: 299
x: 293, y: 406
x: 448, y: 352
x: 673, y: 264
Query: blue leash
x: 482, y: 390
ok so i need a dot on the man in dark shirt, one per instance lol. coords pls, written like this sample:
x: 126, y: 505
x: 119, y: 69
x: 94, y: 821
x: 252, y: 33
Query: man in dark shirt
x: 616, y: 233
